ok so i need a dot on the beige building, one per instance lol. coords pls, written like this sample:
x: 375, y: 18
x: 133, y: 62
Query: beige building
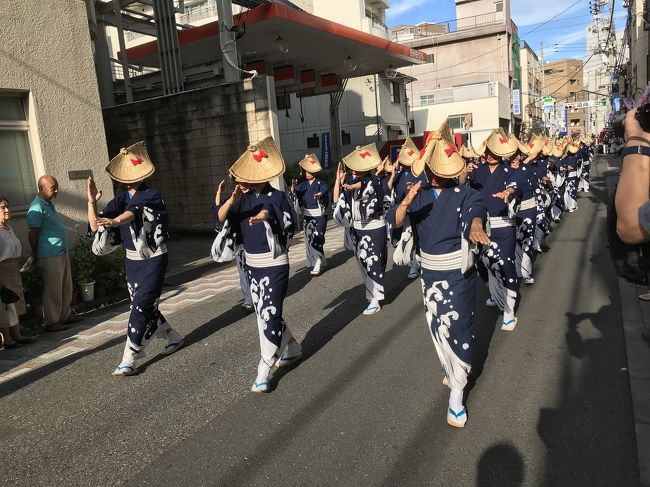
x: 531, y: 91
x: 50, y: 115
x: 637, y: 73
x: 563, y: 80
x: 470, y: 73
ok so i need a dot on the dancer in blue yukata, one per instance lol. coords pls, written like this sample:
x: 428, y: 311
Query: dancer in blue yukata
x: 311, y: 197
x: 360, y: 210
x: 448, y: 223
x: 585, y: 154
x: 137, y: 219
x: 526, y: 210
x: 261, y: 221
x: 571, y: 162
x: 497, y: 183
x: 240, y: 258
x: 405, y: 246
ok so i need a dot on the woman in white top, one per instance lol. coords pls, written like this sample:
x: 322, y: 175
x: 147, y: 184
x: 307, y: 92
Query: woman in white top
x: 10, y: 251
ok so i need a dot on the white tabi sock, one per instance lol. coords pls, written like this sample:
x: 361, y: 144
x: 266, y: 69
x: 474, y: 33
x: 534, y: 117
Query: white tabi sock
x: 263, y: 370
x: 456, y: 400
x: 317, y: 266
x: 132, y: 352
x: 293, y: 349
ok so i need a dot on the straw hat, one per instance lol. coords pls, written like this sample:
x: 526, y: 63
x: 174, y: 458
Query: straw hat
x: 517, y: 145
x: 468, y: 152
x: 535, y: 144
x: 131, y: 164
x: 409, y: 153
x: 547, y: 147
x: 497, y: 143
x: 261, y: 162
x: 441, y: 155
x: 558, y: 151
x: 310, y: 164
x: 363, y: 159
x: 570, y: 148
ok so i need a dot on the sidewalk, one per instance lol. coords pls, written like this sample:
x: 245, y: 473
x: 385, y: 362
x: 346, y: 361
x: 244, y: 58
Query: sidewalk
x: 636, y: 317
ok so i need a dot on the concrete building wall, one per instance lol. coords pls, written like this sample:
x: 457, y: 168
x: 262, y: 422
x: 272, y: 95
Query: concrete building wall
x: 470, y: 8
x: 563, y: 80
x: 531, y: 88
x: 639, y: 41
x: 49, y: 59
x: 193, y: 138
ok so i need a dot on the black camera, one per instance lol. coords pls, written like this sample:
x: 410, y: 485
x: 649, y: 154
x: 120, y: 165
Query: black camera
x: 642, y: 115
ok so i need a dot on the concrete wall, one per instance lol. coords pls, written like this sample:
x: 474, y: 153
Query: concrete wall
x: 49, y: 58
x: 485, y: 116
x: 470, y: 8
x: 193, y: 138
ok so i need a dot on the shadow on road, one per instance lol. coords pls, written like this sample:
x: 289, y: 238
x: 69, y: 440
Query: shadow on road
x: 500, y: 465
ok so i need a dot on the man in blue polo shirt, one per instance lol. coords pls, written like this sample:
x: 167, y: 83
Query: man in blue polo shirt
x: 49, y: 244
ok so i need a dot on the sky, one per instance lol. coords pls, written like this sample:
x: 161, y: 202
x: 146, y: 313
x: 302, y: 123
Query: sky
x: 563, y: 38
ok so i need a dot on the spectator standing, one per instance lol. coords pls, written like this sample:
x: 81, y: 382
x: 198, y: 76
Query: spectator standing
x: 10, y: 250
x: 49, y: 245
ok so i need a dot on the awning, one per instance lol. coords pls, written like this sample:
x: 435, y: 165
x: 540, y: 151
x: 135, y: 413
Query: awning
x: 317, y: 48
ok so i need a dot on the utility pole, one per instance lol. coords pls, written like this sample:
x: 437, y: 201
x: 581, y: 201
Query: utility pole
x: 227, y: 41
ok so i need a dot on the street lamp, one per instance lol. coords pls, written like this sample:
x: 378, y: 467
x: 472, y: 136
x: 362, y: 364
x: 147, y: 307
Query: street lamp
x: 349, y: 64
x: 281, y: 45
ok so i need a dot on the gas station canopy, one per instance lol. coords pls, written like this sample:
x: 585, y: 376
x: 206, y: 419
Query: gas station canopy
x: 317, y: 49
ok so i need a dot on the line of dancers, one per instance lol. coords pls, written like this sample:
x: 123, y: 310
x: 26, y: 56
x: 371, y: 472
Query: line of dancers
x: 451, y: 215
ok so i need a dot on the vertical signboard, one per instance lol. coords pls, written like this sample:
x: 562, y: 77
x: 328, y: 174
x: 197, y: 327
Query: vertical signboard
x: 516, y: 102
x: 326, y: 151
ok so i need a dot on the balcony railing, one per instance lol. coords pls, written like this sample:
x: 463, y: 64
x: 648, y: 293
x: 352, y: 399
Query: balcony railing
x: 455, y: 94
x: 441, y: 28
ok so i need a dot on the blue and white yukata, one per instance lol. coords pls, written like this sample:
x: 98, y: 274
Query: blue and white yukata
x: 441, y: 224
x: 314, y: 211
x: 557, y: 177
x: 586, y: 155
x: 543, y: 200
x: 266, y: 249
x: 499, y: 259
x: 361, y: 212
x: 144, y: 240
x: 405, y: 246
x: 571, y: 192
x: 526, y: 217
x: 240, y: 260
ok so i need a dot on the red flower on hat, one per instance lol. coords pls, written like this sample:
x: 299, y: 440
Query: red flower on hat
x: 503, y: 141
x: 450, y: 150
x: 260, y: 155
x: 136, y: 161
x: 410, y: 152
x: 531, y: 144
x: 365, y: 154
x: 312, y: 161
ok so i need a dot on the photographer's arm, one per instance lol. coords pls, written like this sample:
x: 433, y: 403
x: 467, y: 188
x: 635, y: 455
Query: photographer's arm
x: 633, y: 187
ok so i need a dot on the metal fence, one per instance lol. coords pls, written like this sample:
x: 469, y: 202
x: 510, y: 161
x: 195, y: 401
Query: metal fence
x: 455, y: 94
x: 450, y: 26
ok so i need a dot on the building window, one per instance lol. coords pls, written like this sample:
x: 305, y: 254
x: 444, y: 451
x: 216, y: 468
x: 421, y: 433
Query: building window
x: 313, y: 142
x: 498, y: 7
x: 456, y: 122
x: 411, y: 127
x: 17, y: 181
x: 573, y: 81
x: 283, y: 101
x: 394, y: 92
x: 427, y: 100
x: 345, y: 138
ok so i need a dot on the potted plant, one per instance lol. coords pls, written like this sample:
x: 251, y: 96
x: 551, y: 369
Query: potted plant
x: 33, y: 288
x: 83, y: 263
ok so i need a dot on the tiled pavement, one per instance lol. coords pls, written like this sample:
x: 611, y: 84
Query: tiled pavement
x: 99, y: 328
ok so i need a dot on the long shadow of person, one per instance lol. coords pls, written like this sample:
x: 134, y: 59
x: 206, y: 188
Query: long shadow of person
x: 588, y: 436
x: 500, y: 465
x: 345, y: 308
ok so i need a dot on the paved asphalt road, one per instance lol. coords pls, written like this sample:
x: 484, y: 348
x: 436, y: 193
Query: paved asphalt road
x: 551, y: 406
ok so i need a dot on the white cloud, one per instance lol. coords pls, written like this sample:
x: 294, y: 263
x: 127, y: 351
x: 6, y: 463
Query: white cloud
x: 400, y: 7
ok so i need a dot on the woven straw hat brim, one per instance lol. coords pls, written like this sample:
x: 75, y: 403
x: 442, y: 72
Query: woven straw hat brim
x: 309, y: 166
x: 369, y: 161
x: 131, y: 164
x: 409, y: 153
x: 248, y: 169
